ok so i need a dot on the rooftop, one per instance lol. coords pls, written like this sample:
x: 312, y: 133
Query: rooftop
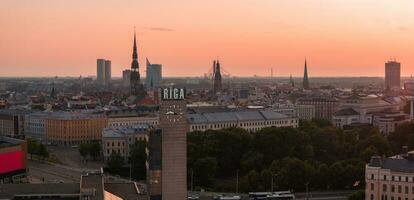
x: 122, y: 131
x: 235, y: 116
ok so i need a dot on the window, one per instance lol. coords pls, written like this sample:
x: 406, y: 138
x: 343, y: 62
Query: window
x: 372, y: 186
x: 384, y: 188
x: 392, y: 189
x: 399, y: 189
x: 372, y: 176
x: 392, y: 178
x: 406, y: 189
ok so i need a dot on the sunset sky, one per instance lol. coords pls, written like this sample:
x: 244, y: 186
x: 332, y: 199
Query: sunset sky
x: 338, y: 37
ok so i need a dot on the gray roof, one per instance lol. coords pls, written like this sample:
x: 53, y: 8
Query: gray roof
x: 236, y: 116
x: 399, y: 163
x: 346, y: 112
x: 8, y: 191
x: 122, y: 131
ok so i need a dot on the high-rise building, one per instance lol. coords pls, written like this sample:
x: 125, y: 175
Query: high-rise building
x: 305, y: 78
x: 392, y: 75
x: 126, y: 76
x: 173, y: 124
x: 216, y: 77
x: 100, y: 70
x: 154, y: 75
x: 107, y: 71
x: 137, y: 89
x: 103, y: 70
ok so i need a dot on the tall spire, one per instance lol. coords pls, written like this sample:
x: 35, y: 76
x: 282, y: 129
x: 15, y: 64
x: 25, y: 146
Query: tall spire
x: 305, y: 77
x: 134, y: 53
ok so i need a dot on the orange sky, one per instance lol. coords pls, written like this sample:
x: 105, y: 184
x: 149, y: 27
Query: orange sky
x: 339, y: 37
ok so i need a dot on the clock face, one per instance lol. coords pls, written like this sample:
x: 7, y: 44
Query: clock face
x: 174, y: 113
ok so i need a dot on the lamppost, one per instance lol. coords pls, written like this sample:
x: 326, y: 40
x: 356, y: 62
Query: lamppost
x: 271, y: 187
x: 192, y: 179
x: 237, y: 181
x: 307, y: 190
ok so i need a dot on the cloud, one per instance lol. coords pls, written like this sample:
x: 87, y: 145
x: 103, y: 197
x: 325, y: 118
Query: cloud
x: 404, y: 29
x: 163, y: 29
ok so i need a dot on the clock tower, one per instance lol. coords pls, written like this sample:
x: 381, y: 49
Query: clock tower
x: 174, y: 127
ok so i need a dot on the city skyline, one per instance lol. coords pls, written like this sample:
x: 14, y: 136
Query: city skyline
x: 50, y: 38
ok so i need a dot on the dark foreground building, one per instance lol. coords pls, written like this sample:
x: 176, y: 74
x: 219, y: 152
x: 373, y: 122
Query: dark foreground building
x: 92, y: 186
x: 12, y: 160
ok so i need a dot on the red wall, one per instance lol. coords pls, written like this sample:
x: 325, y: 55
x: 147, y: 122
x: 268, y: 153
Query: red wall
x: 11, y: 161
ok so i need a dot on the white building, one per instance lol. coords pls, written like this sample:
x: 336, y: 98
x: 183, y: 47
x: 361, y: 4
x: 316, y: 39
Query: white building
x: 390, y: 178
x: 250, y: 120
x: 120, y: 139
x: 388, y: 122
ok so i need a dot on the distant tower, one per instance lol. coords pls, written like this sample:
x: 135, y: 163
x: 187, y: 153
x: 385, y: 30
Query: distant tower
x: 137, y: 89
x: 217, y: 77
x: 53, y: 91
x: 393, y: 75
x: 154, y: 75
x: 305, y: 78
x: 100, y: 70
x: 291, y: 81
x: 107, y: 71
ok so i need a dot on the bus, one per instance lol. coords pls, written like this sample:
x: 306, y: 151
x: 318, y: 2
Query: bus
x: 283, y: 195
x: 258, y: 195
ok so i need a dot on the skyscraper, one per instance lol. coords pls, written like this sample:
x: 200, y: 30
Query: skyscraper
x: 217, y: 77
x: 392, y: 75
x: 305, y: 78
x: 126, y: 76
x: 154, y: 75
x: 173, y: 123
x: 100, y: 70
x: 103, y: 68
x: 107, y: 71
x: 137, y: 88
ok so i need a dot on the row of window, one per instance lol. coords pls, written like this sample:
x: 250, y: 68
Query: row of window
x: 395, y: 178
x: 243, y: 124
x: 399, y: 188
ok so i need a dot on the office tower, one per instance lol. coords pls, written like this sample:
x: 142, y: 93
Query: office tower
x: 392, y: 75
x: 154, y: 75
x: 137, y: 89
x: 126, y: 75
x: 305, y: 78
x: 100, y: 67
x: 216, y: 77
x: 292, y: 83
x: 103, y: 68
x: 107, y: 71
x: 173, y: 124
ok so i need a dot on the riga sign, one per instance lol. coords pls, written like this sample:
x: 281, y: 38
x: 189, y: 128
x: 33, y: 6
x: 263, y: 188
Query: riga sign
x: 172, y: 93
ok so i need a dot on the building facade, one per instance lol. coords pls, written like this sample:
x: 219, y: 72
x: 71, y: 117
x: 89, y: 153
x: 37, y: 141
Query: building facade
x: 324, y: 106
x: 387, y: 122
x: 12, y: 123
x: 120, y: 139
x: 251, y: 121
x: 66, y: 128
x: 390, y: 178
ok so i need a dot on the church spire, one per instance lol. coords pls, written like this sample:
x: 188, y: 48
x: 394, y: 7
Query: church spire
x: 305, y: 77
x: 134, y: 53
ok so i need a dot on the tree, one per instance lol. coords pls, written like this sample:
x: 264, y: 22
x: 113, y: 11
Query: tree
x: 94, y: 150
x: 42, y: 151
x: 115, y: 162
x: 138, y: 159
x: 205, y: 171
x: 32, y: 147
x: 84, y: 150
x: 358, y: 195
